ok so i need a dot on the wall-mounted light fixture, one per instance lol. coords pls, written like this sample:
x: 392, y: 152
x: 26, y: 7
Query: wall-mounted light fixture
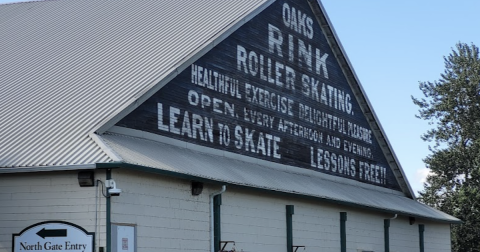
x: 197, y: 188
x: 411, y: 220
x: 86, y: 178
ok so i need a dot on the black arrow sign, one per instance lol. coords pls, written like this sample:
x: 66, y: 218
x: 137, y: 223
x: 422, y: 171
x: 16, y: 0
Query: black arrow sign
x: 52, y: 233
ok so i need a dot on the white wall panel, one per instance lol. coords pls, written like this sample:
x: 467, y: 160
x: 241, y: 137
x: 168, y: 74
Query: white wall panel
x: 253, y: 222
x: 437, y: 237
x: 316, y: 226
x: 30, y: 198
x: 167, y: 216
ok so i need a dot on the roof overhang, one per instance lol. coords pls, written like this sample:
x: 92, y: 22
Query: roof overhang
x: 222, y: 167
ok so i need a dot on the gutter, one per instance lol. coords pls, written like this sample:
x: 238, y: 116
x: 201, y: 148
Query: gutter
x: 25, y: 169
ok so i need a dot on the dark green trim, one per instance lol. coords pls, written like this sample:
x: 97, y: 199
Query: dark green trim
x: 217, y: 202
x: 386, y: 232
x: 343, y: 232
x: 109, y: 223
x: 290, y: 212
x: 159, y: 171
x: 142, y: 168
x: 421, y: 230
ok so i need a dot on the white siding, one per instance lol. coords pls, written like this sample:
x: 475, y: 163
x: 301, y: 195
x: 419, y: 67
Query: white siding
x: 316, y: 226
x: 253, y: 222
x: 406, y: 237
x: 167, y: 216
x: 437, y: 237
x: 30, y: 198
x: 365, y: 231
x: 257, y: 222
x: 403, y: 236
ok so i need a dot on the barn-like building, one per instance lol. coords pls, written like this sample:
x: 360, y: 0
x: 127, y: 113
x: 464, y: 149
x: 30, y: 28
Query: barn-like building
x: 205, y: 125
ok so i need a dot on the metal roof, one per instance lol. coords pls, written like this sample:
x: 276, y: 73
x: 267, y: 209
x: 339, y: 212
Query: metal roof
x: 184, y: 161
x: 68, y: 68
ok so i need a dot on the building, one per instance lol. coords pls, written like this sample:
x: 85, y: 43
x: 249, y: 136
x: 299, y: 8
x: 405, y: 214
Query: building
x: 181, y: 125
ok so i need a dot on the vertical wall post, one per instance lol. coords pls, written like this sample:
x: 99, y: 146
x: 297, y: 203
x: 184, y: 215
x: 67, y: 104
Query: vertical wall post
x: 386, y: 226
x: 421, y: 229
x: 343, y: 232
x: 109, y: 223
x: 217, y: 202
x: 290, y: 212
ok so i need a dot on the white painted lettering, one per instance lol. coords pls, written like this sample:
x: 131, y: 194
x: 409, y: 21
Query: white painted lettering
x: 275, y: 40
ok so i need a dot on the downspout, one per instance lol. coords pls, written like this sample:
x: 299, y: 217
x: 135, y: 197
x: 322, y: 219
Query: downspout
x: 212, y: 243
x: 343, y: 232
x: 421, y: 230
x: 386, y: 232
x: 290, y: 212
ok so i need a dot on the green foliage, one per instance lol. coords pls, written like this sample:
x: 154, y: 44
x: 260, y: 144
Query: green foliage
x: 452, y: 106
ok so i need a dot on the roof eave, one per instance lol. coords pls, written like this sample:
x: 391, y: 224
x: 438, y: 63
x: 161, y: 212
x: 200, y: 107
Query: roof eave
x: 6, y: 170
x: 115, y: 165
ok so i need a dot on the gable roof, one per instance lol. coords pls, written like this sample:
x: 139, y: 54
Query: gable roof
x: 71, y: 69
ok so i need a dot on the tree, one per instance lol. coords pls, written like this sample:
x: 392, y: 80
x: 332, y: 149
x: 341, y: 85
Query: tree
x: 452, y: 106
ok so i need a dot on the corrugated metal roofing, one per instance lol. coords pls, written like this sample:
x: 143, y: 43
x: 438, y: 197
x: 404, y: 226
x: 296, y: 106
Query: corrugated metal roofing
x: 68, y: 67
x: 223, y: 169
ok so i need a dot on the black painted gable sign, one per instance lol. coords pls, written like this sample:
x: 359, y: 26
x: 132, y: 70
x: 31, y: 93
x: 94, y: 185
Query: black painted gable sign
x: 272, y: 90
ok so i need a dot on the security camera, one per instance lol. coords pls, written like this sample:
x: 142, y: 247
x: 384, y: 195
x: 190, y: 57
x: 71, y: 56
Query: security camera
x: 114, y: 191
x: 112, y: 188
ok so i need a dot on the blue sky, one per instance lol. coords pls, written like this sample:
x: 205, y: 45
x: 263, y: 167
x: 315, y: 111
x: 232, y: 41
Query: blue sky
x: 393, y: 45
